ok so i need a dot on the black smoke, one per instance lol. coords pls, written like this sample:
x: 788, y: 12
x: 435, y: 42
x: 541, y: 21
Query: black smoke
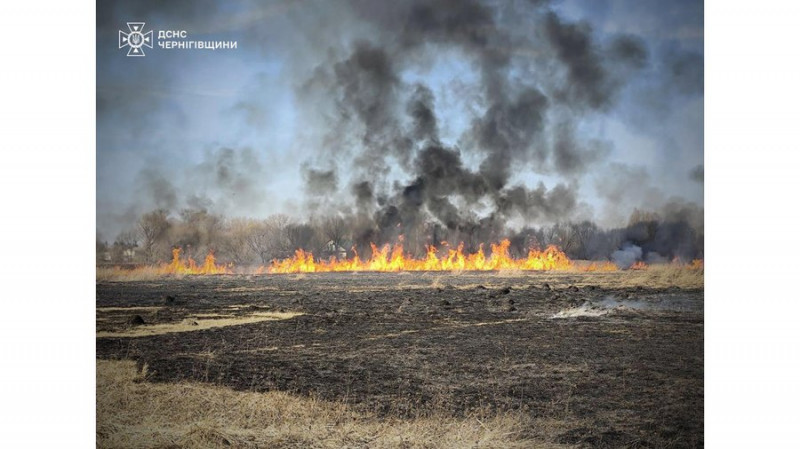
x: 697, y: 174
x: 535, y: 85
x: 320, y: 182
x: 384, y: 158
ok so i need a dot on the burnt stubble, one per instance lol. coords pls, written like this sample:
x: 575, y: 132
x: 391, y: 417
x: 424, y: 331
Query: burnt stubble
x: 408, y: 345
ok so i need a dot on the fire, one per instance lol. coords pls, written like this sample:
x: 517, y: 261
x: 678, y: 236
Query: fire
x: 189, y: 266
x: 392, y: 258
x: 697, y: 264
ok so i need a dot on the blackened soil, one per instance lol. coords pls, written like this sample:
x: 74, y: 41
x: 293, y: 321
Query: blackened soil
x: 411, y: 344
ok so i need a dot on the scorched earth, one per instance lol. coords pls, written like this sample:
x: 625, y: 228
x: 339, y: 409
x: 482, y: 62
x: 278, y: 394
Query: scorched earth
x: 604, y: 359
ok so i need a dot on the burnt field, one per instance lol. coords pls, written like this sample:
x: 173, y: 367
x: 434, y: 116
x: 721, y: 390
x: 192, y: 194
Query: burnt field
x: 590, y: 359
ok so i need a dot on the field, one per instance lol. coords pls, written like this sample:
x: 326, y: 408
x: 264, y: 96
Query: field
x: 499, y: 359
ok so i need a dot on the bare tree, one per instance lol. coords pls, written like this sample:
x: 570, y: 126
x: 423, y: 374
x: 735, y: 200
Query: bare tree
x: 550, y: 236
x: 258, y: 239
x: 563, y: 235
x: 235, y: 244
x: 154, y: 227
x: 197, y: 232
x: 335, y: 230
x: 583, y: 233
x: 300, y: 236
x: 268, y: 238
x: 101, y: 248
x: 129, y: 238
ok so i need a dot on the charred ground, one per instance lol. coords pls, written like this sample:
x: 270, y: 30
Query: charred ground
x: 409, y: 345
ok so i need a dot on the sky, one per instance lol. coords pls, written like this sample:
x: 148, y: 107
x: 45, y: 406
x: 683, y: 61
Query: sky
x: 591, y: 108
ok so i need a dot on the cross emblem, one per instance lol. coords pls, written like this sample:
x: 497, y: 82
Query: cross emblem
x: 135, y: 39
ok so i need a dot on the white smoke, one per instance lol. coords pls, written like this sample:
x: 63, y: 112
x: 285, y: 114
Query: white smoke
x: 627, y: 256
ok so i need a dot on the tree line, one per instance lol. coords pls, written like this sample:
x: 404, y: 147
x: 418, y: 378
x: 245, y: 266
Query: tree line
x: 247, y: 241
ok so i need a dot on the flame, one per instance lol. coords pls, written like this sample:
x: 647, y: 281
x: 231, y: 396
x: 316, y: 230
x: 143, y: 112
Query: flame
x: 391, y: 258
x: 189, y: 266
x: 695, y: 264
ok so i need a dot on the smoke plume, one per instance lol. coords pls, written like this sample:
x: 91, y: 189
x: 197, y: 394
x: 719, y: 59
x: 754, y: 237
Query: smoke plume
x: 375, y: 139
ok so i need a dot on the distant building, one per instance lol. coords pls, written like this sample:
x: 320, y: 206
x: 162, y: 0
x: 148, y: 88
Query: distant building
x: 129, y: 254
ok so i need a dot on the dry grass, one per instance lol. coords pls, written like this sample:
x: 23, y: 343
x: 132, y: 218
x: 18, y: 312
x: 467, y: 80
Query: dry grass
x: 509, y: 273
x: 198, y: 322
x: 134, y: 413
x: 129, y: 309
x: 663, y: 276
x: 655, y: 276
x: 121, y: 274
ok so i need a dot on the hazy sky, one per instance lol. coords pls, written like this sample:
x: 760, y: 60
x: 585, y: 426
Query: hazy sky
x: 275, y: 126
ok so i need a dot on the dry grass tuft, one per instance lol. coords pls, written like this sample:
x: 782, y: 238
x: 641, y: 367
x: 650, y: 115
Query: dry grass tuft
x: 198, y: 322
x: 510, y: 273
x: 664, y: 276
x: 137, y: 274
x: 129, y: 309
x: 134, y: 413
x: 654, y: 276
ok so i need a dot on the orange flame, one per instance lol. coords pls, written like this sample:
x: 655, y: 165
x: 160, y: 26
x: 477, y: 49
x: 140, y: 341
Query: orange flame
x: 695, y: 264
x: 392, y: 258
x: 189, y: 266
